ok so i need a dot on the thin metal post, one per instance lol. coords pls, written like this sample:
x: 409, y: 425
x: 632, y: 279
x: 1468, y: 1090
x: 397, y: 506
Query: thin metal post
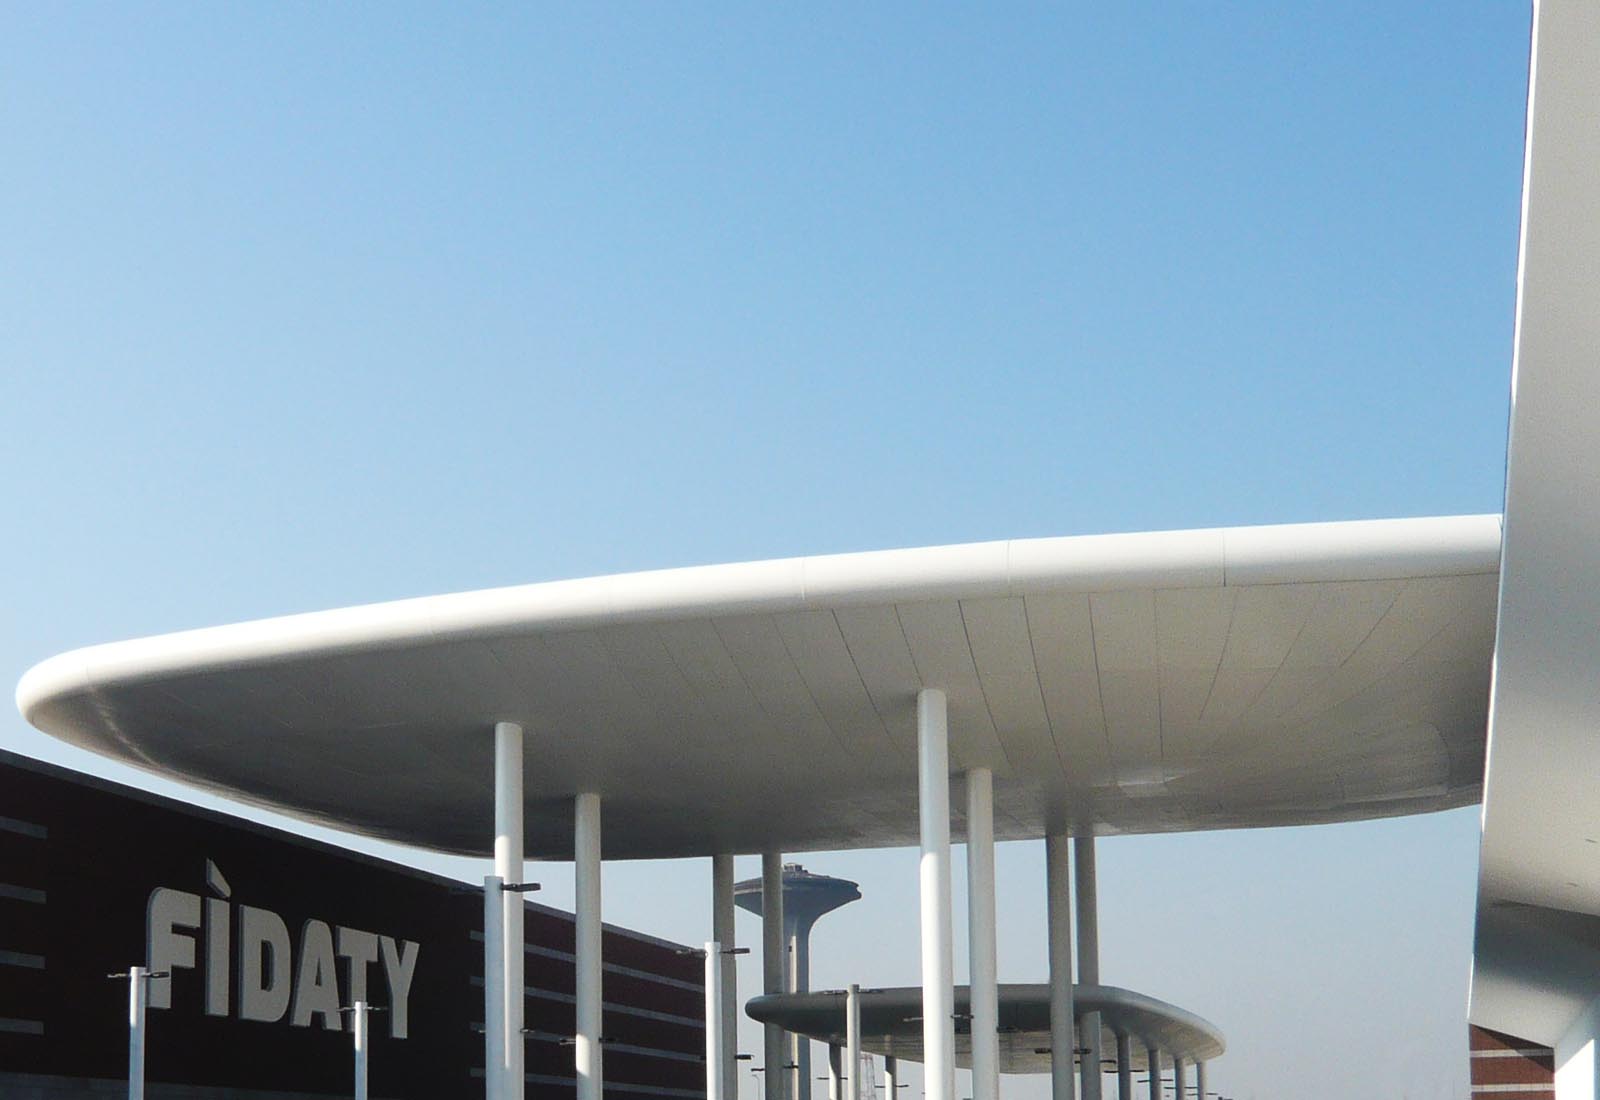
x: 852, y: 1042
x: 798, y: 939
x: 1088, y: 959
x: 1124, y: 1066
x: 358, y: 1032
x: 1058, y: 906
x: 494, y: 988
x: 891, y: 1076
x: 1180, y: 1086
x: 722, y: 930
x: 834, y: 1072
x: 509, y: 868
x: 982, y: 979
x: 714, y: 1021
x: 1199, y: 1081
x: 938, y: 965
x: 773, y: 970
x: 586, y: 874
x: 1153, y: 1056
x: 138, y: 997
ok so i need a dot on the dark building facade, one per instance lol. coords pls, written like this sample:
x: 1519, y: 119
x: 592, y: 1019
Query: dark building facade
x: 267, y: 936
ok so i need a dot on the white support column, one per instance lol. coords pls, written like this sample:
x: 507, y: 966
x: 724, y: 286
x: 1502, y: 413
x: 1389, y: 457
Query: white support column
x: 494, y: 988
x: 1088, y: 960
x: 1199, y: 1081
x: 1124, y: 1066
x: 982, y: 980
x: 722, y: 930
x: 773, y: 971
x: 835, y: 1073
x: 852, y: 1042
x: 358, y: 1037
x: 938, y: 963
x: 508, y: 868
x: 799, y: 948
x: 1063, y: 1029
x: 586, y: 887
x: 1577, y: 1057
x: 138, y: 998
x: 1180, y: 1087
x: 714, y: 1065
x: 1153, y: 1056
x: 891, y: 1077
x: 1554, y: 393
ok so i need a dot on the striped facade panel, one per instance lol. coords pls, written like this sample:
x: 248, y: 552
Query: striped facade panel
x: 24, y: 925
x: 94, y: 876
x: 653, y: 1009
x: 1507, y: 1068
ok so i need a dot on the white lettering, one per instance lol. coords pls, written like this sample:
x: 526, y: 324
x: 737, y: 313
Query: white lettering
x: 218, y: 923
x: 399, y: 967
x: 263, y: 965
x: 270, y: 980
x: 361, y: 950
x: 316, y: 983
x: 167, y: 949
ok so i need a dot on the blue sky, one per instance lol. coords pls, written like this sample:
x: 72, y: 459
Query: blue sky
x: 306, y: 305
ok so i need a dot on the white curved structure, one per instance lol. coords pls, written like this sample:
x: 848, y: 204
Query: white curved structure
x: 1126, y: 683
x: 888, y: 1026
x: 1536, y: 967
x: 1132, y: 683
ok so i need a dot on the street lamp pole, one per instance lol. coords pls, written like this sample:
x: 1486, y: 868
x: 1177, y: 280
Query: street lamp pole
x: 139, y: 979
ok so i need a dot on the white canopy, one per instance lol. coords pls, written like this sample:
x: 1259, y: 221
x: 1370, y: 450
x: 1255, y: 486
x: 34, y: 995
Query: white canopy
x: 1129, y: 683
x: 890, y: 1024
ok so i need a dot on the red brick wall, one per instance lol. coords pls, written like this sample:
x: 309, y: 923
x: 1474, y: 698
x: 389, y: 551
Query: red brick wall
x: 1507, y: 1068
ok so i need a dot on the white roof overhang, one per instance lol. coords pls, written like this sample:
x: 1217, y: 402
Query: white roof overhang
x: 891, y: 1024
x: 1129, y: 683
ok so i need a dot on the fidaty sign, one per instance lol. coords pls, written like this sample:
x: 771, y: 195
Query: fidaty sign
x: 266, y: 938
x: 251, y: 963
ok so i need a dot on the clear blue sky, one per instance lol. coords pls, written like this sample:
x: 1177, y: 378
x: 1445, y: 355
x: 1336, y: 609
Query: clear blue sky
x: 308, y: 305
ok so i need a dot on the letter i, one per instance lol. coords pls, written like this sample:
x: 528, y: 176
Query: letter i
x: 218, y: 920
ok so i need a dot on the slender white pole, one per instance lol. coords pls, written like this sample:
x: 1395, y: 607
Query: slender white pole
x: 494, y: 988
x: 1153, y: 1056
x: 985, y: 1002
x: 722, y: 930
x: 508, y: 867
x: 1199, y: 1081
x: 714, y: 1021
x: 586, y: 875
x: 799, y: 940
x: 358, y: 1033
x: 138, y: 997
x: 835, y: 1072
x: 773, y: 970
x: 1088, y: 911
x: 1180, y: 1087
x: 1088, y: 959
x: 938, y: 965
x: 852, y: 1042
x: 1058, y: 905
x: 1124, y: 1066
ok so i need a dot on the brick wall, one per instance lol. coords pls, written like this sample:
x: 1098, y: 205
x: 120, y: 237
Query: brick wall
x: 1507, y: 1068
